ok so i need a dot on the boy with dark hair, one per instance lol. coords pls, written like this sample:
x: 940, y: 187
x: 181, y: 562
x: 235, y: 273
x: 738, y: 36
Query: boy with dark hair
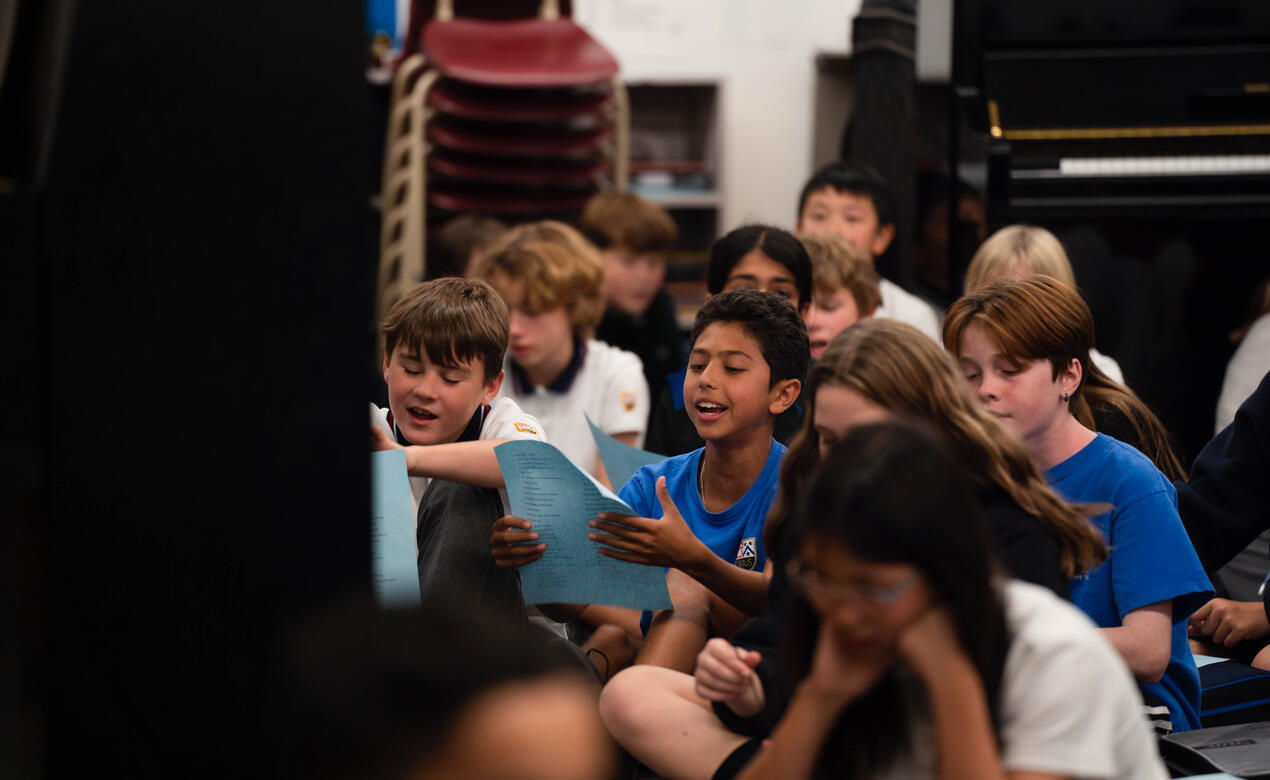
x: 443, y: 352
x: 702, y: 513
x: 757, y: 257
x: 853, y: 202
x: 633, y: 236
x: 455, y: 248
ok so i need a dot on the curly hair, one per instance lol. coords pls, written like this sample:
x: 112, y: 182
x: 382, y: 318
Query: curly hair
x: 556, y: 265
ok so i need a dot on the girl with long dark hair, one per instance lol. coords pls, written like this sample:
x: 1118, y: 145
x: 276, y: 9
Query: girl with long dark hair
x: 911, y: 659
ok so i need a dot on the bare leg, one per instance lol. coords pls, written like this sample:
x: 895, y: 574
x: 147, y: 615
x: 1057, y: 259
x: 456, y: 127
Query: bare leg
x: 656, y: 714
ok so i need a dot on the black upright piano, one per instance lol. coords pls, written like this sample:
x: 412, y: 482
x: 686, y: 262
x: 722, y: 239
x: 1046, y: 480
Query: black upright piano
x: 1139, y: 133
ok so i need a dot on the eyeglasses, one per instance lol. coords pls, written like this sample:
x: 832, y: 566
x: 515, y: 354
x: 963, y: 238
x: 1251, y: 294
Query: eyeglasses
x: 817, y: 587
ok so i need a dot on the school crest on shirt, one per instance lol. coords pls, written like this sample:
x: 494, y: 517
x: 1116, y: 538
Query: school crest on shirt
x: 527, y: 428
x: 628, y: 400
x: 747, y: 553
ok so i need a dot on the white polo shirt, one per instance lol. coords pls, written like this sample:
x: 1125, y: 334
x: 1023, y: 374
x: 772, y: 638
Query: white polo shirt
x: 504, y: 420
x: 601, y: 382
x: 900, y: 304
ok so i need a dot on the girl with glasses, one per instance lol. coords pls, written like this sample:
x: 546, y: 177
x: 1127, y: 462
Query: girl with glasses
x: 909, y: 658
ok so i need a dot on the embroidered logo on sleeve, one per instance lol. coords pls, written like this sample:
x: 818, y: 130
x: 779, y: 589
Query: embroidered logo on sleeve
x: 527, y: 428
x: 747, y: 553
x: 629, y: 399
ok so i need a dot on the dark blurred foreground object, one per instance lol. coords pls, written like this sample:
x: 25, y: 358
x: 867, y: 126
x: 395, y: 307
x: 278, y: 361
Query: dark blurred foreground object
x: 1139, y: 134
x: 186, y: 249
x: 419, y: 694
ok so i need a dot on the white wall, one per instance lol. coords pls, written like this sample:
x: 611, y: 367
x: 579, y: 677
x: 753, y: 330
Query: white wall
x: 763, y: 54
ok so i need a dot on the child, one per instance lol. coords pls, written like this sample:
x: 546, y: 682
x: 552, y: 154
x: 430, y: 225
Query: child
x: 854, y: 203
x: 1224, y: 504
x: 444, y: 343
x: 369, y: 694
x: 749, y: 352
x: 1016, y: 251
x: 443, y: 352
x: 912, y: 660
x: 1023, y: 347
x: 633, y: 236
x: 457, y: 245
x: 551, y: 279
x: 844, y: 288
x: 757, y: 257
x: 875, y: 370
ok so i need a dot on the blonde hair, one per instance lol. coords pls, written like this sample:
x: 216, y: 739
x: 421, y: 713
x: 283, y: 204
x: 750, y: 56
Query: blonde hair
x: 556, y: 265
x: 899, y: 368
x: 838, y: 265
x: 1016, y: 251
x: 1041, y: 318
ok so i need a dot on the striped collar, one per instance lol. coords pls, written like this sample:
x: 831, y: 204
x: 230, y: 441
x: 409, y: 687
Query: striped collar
x: 560, y: 384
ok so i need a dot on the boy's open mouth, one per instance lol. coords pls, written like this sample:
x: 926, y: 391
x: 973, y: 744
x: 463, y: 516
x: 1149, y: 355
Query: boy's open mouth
x: 709, y: 410
x: 421, y: 414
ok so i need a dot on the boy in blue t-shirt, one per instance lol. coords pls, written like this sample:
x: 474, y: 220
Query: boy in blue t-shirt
x: 702, y: 513
x: 1143, y: 529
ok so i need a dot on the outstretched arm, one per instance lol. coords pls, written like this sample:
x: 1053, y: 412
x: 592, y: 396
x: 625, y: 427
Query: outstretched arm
x: 472, y: 462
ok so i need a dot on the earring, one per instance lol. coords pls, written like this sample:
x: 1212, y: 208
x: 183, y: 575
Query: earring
x: 1067, y: 397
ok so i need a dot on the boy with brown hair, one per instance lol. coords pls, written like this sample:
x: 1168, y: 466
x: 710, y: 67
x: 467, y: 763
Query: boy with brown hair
x: 551, y: 280
x: 844, y: 288
x: 634, y: 235
x: 443, y: 351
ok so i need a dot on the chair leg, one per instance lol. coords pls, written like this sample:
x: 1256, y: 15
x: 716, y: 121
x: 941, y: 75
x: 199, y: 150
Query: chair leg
x: 402, y: 80
x: 622, y: 152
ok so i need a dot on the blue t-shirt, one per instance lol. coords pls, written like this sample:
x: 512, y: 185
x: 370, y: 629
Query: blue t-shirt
x: 1151, y: 557
x: 736, y: 533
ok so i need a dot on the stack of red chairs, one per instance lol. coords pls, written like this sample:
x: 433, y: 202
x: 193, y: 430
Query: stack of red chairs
x: 514, y: 118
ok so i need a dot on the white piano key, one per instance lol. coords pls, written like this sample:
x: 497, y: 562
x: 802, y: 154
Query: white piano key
x: 1177, y: 165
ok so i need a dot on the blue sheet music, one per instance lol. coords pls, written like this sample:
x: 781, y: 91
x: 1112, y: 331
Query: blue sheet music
x: 560, y: 500
x: 394, y: 569
x: 620, y: 460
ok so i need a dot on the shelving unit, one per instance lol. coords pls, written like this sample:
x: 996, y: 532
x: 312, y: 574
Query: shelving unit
x: 675, y: 163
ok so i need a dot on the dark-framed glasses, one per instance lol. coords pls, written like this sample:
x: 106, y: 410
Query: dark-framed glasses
x: 818, y: 587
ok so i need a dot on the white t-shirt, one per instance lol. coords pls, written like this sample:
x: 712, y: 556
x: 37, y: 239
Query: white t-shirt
x: 609, y: 387
x: 1108, y: 365
x: 900, y: 304
x: 1246, y: 369
x: 505, y: 420
x: 1069, y: 705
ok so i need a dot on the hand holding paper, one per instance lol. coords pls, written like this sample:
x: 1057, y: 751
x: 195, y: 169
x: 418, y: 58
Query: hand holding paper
x: 513, y: 544
x: 380, y: 441
x: 665, y: 542
x: 559, y: 499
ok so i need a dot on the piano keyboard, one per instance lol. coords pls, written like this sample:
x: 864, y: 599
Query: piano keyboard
x: 1189, y: 165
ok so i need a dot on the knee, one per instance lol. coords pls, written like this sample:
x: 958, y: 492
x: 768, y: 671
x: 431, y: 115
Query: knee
x: 626, y: 702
